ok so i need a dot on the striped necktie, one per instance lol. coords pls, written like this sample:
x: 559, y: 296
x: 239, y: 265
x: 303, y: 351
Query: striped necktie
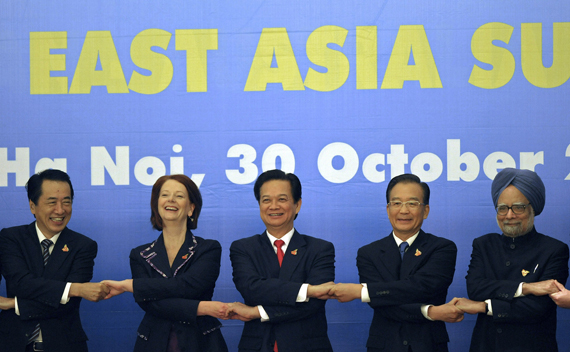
x: 45, y: 253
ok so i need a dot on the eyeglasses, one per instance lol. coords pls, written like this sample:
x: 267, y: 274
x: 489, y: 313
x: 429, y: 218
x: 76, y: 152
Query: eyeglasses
x: 517, y: 209
x: 411, y: 204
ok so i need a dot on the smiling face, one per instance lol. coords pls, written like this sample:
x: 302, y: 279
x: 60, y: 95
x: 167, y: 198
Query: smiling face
x: 174, y: 206
x: 277, y: 207
x: 511, y: 224
x: 53, y: 210
x: 406, y: 222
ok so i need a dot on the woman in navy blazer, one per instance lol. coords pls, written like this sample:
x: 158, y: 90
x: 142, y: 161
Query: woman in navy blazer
x: 174, y: 276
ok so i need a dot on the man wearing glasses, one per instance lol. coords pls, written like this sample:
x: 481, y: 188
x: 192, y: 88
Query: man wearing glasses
x: 405, y: 276
x: 511, y: 274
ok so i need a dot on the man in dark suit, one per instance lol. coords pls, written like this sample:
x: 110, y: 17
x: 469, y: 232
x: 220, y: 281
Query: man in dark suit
x: 511, y: 275
x: 281, y: 275
x: 47, y: 268
x: 405, y: 276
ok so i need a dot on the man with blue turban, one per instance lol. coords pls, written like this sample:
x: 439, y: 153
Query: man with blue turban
x: 511, y: 274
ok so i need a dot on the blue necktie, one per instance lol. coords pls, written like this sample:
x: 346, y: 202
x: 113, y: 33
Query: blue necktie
x: 403, y: 247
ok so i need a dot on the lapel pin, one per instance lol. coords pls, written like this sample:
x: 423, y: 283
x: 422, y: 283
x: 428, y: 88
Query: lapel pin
x: 185, y: 256
x: 418, y: 253
x: 294, y: 252
x: 65, y: 249
x: 524, y: 272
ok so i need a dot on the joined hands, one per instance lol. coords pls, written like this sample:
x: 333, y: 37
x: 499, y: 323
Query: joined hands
x: 450, y: 312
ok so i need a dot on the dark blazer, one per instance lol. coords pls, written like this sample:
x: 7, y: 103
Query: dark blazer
x: 518, y: 324
x: 297, y: 327
x: 39, y: 289
x: 398, y: 288
x: 170, y: 295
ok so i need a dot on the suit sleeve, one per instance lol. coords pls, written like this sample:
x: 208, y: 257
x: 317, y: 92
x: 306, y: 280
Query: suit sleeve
x: 167, y: 297
x: 33, y: 310
x: 507, y: 308
x: 173, y: 309
x: 277, y: 296
x: 405, y: 313
x: 200, y: 277
x: 46, y: 293
x: 428, y: 282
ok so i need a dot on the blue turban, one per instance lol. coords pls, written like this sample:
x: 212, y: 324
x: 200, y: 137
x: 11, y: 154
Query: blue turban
x: 526, y: 181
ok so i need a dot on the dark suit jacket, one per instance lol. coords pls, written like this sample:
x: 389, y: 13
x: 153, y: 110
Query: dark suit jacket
x: 170, y: 295
x: 518, y: 324
x: 297, y: 327
x: 399, y: 288
x: 39, y: 289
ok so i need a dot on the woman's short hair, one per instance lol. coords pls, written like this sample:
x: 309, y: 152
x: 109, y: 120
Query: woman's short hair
x: 193, y: 194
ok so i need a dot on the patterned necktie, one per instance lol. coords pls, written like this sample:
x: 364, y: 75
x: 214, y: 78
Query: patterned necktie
x: 403, y: 247
x: 45, y: 249
x: 280, y: 255
x: 45, y: 253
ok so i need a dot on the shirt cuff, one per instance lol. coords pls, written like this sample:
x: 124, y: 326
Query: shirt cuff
x: 425, y: 309
x: 489, y: 307
x: 263, y: 313
x: 364, y: 296
x: 16, y: 306
x: 519, y: 293
x: 302, y: 295
x: 65, y: 296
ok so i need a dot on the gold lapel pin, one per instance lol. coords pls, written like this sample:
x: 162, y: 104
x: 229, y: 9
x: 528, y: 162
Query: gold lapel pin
x: 185, y: 256
x: 65, y: 249
x: 418, y: 253
x: 294, y: 252
x: 524, y: 272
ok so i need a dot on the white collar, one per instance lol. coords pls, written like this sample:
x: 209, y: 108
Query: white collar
x: 42, y: 237
x: 409, y: 240
x: 286, y: 238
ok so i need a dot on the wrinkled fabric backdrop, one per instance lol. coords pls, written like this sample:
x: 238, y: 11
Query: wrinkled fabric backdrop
x: 344, y: 94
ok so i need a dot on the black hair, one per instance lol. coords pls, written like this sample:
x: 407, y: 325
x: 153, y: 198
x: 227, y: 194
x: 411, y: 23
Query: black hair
x: 278, y: 175
x: 408, y: 178
x: 34, y: 184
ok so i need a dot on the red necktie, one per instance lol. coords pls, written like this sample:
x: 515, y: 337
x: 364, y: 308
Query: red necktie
x: 280, y: 254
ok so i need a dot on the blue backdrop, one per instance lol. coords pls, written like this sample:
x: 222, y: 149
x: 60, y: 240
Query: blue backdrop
x: 344, y: 94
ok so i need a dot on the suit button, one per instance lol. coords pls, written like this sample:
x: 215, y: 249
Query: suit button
x: 508, y: 263
x: 405, y: 343
x: 512, y: 246
x: 499, y: 330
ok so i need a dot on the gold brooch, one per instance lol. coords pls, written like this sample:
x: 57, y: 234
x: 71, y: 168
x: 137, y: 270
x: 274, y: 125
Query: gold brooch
x: 185, y: 256
x: 524, y: 272
x: 65, y: 249
x: 294, y: 252
x: 418, y: 253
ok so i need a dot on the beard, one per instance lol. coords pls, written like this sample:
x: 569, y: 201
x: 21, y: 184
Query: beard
x: 516, y: 228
